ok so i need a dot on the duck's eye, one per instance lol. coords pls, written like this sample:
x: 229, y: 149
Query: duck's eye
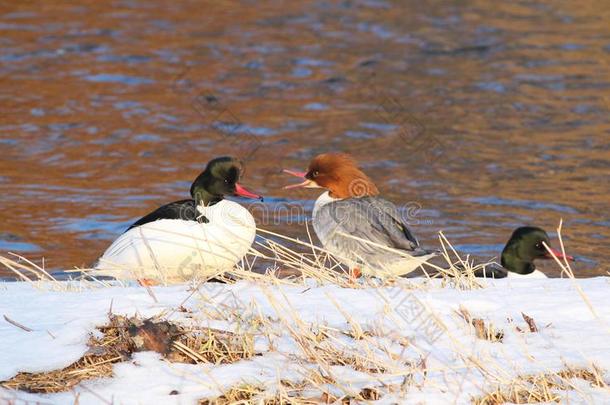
x: 315, y: 173
x: 539, y: 246
x: 226, y: 181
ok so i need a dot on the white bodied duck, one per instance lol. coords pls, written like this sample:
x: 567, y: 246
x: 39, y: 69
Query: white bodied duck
x: 197, y: 237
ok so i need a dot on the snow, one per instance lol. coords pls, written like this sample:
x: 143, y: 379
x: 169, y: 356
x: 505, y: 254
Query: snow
x: 573, y: 318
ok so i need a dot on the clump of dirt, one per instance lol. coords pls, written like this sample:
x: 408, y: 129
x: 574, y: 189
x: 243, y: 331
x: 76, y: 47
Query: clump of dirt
x: 122, y: 336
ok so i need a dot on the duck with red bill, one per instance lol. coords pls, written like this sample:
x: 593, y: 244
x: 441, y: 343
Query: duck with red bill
x: 355, y: 223
x: 241, y: 191
x: 192, y: 238
x: 348, y: 188
x: 558, y: 255
x: 308, y: 183
x: 526, y: 244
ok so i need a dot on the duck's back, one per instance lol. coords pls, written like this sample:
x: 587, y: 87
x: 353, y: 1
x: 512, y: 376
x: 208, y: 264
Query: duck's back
x: 358, y: 229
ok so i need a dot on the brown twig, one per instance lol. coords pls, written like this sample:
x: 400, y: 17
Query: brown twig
x: 530, y: 322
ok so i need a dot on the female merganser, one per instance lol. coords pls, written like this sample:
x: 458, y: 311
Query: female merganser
x: 525, y: 245
x: 363, y: 230
x: 196, y: 237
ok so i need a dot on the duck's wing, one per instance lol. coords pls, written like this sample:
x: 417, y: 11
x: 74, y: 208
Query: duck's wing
x: 492, y: 270
x: 489, y: 270
x: 183, y: 209
x: 372, y: 219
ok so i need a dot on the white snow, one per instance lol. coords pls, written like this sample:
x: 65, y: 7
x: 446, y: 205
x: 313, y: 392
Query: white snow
x: 573, y: 317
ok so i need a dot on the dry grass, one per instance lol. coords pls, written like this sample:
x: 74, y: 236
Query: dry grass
x: 541, y: 388
x: 482, y: 330
x: 123, y: 336
x: 305, y: 260
x: 288, y: 393
x: 317, y: 387
x: 241, y: 394
x: 319, y: 348
x: 313, y: 262
x: 114, y: 346
x: 365, y: 394
x: 206, y: 345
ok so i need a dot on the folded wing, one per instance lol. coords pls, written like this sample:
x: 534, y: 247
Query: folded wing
x: 359, y: 225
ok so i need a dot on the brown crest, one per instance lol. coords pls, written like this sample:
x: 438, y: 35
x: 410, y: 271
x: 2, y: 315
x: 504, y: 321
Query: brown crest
x: 339, y: 173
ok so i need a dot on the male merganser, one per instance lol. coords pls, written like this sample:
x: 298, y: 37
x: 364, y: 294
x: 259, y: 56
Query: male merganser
x: 362, y: 229
x: 196, y: 237
x: 525, y: 245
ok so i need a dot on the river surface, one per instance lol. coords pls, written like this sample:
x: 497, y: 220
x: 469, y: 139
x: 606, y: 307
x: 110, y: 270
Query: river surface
x: 474, y: 116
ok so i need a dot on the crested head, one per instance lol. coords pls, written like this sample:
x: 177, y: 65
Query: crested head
x: 525, y: 245
x: 226, y: 167
x: 339, y: 173
x: 219, y: 178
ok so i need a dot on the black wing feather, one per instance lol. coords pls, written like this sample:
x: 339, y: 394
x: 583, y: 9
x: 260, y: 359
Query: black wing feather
x: 183, y: 209
x: 492, y: 270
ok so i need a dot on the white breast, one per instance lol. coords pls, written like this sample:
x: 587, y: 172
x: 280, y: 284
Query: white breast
x: 322, y: 229
x: 321, y: 201
x: 172, y: 250
x: 534, y: 274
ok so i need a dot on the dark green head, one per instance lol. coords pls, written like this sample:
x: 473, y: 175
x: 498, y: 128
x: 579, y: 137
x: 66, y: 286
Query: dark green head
x: 525, y: 245
x: 219, y: 178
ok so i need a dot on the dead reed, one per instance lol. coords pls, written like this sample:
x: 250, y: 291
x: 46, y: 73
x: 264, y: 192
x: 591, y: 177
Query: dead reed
x: 319, y: 349
x: 122, y: 336
x: 541, y: 388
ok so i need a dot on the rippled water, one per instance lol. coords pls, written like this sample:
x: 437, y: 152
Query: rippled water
x: 476, y: 116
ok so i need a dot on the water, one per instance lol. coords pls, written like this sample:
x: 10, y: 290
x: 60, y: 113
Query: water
x: 477, y: 117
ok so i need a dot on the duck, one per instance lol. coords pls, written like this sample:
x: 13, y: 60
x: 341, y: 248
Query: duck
x: 354, y: 223
x: 196, y: 237
x: 525, y: 245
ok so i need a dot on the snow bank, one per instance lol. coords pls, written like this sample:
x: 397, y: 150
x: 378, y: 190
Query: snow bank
x: 412, y: 328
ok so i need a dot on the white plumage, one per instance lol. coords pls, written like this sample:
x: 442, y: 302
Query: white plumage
x: 534, y: 274
x: 173, y: 250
